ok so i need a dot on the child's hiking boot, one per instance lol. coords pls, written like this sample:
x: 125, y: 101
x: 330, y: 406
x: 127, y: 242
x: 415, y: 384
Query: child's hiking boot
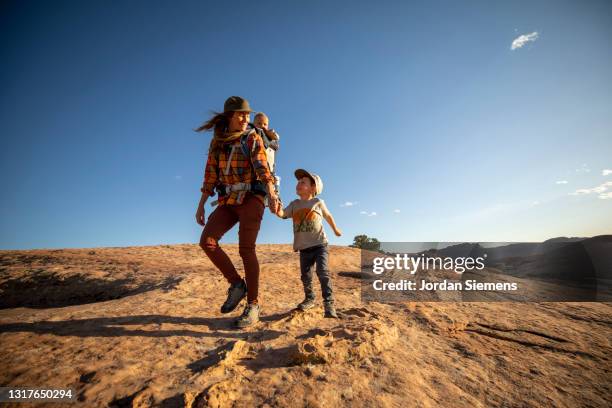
x: 249, y: 316
x: 235, y: 294
x: 307, y: 303
x: 330, y: 310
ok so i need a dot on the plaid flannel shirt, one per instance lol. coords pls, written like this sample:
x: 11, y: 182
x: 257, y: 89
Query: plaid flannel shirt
x: 223, y: 169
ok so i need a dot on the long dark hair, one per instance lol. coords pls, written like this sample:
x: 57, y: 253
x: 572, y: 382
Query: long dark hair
x: 219, y: 123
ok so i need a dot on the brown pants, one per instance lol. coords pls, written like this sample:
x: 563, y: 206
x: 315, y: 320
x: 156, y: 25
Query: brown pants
x: 222, y: 219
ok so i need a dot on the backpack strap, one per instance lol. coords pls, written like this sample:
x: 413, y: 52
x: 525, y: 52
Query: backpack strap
x: 262, y: 133
x: 257, y: 186
x: 244, y: 142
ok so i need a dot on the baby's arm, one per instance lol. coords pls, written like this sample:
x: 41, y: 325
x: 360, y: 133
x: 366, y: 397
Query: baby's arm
x: 272, y: 135
x: 330, y: 220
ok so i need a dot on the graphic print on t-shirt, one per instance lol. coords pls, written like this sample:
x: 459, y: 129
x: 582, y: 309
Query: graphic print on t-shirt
x: 305, y: 220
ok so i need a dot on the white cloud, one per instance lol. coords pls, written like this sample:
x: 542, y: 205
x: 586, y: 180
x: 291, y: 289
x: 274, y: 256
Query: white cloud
x: 562, y: 182
x: 535, y: 203
x: 606, y: 172
x: 523, y: 39
x: 397, y: 211
x: 348, y: 204
x: 371, y: 214
x: 601, y: 189
x: 606, y: 196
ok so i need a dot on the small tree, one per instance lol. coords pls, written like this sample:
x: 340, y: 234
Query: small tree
x: 363, y: 242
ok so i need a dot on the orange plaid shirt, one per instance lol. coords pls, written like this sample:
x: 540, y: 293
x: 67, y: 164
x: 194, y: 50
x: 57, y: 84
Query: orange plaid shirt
x: 230, y: 166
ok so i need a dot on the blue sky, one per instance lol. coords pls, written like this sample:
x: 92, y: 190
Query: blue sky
x: 418, y: 113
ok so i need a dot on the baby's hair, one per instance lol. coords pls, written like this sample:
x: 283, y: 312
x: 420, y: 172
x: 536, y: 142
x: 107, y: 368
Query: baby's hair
x: 258, y: 114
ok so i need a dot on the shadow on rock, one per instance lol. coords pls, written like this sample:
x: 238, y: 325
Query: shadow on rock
x: 111, y: 327
x: 48, y: 290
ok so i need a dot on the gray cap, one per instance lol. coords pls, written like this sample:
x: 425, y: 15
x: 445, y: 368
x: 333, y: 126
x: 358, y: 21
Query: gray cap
x: 299, y: 173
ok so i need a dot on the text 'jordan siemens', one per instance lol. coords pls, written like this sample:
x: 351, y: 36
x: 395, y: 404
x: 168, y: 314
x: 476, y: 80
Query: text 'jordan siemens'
x: 413, y: 263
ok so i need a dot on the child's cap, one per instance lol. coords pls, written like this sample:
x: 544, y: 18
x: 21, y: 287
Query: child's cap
x: 299, y: 173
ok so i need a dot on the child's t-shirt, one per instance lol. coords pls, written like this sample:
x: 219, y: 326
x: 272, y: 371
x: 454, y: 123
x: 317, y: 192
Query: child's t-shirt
x: 307, y: 218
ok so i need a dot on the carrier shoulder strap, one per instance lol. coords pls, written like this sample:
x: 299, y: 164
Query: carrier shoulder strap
x: 244, y: 143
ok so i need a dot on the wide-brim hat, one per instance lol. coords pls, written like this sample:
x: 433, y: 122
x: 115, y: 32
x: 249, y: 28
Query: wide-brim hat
x: 299, y: 173
x: 236, y: 104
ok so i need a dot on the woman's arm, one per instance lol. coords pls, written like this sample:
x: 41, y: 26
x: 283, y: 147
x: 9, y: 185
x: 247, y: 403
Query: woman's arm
x: 211, y: 174
x: 208, y: 185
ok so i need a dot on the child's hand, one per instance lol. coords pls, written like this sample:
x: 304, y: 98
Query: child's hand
x: 338, y: 232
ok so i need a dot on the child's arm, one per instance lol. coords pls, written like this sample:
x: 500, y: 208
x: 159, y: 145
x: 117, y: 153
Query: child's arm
x: 330, y: 220
x: 286, y: 212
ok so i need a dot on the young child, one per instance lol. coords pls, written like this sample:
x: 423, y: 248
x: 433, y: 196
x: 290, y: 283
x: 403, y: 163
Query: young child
x: 262, y: 121
x: 309, y: 238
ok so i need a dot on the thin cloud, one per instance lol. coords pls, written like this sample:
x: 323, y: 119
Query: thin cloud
x: 583, y: 169
x: 606, y: 196
x: 369, y: 214
x: 601, y: 189
x: 521, y: 40
x: 348, y: 204
x: 397, y: 211
x: 562, y: 182
x: 178, y: 177
x: 606, y: 172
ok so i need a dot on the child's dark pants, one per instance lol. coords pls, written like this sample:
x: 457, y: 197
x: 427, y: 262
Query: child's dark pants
x: 308, y: 258
x: 222, y: 219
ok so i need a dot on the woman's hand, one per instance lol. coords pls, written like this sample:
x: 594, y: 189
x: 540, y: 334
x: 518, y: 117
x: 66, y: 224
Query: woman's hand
x: 273, y: 203
x: 338, y: 232
x: 200, y: 216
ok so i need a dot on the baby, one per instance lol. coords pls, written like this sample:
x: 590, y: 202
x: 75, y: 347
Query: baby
x: 309, y: 238
x: 261, y: 121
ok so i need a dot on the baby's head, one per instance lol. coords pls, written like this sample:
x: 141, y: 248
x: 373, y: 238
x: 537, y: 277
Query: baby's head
x: 308, y: 184
x: 261, y: 121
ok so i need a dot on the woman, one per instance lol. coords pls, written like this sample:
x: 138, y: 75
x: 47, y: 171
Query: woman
x: 242, y: 183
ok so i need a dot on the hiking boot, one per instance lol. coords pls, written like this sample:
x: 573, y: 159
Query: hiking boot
x: 306, y: 304
x: 249, y: 316
x: 235, y: 294
x: 330, y: 310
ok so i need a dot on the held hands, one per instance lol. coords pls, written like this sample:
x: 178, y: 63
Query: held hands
x: 273, y: 203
